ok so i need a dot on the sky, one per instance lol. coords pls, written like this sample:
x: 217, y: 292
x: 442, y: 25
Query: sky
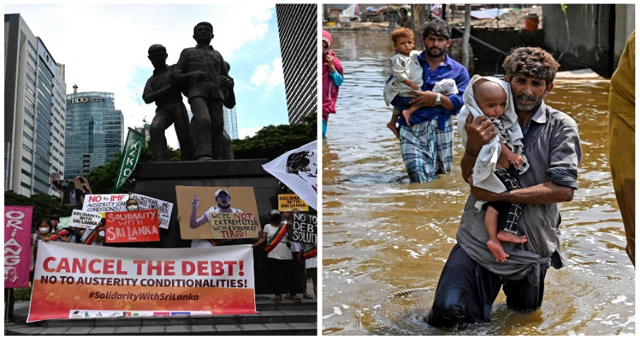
x: 104, y: 48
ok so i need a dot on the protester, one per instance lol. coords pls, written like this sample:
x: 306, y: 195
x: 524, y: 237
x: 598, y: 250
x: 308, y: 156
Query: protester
x: 471, y: 278
x: 94, y: 236
x: 622, y: 136
x: 42, y: 233
x: 332, y: 78
x: 224, y: 206
x: 496, y: 164
x: 296, y: 253
x: 310, y: 255
x: 279, y: 257
x: 426, y: 145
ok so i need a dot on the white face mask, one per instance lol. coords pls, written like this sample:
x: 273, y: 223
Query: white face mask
x: 44, y: 230
x: 132, y: 207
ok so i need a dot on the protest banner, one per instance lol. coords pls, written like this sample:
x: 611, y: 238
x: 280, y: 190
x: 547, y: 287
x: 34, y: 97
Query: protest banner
x: 17, y: 244
x: 305, y: 228
x: 64, y: 222
x: 84, y: 220
x: 132, y: 226
x: 105, y: 203
x: 130, y: 156
x: 291, y: 202
x: 243, y: 222
x: 76, y: 281
x: 298, y: 170
x: 149, y: 203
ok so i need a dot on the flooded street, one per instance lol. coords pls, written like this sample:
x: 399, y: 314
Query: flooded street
x: 382, y: 235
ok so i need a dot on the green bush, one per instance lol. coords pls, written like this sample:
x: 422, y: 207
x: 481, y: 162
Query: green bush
x: 22, y: 294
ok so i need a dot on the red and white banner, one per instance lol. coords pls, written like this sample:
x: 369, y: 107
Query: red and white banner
x: 17, y: 244
x: 79, y: 281
x: 298, y: 170
x: 132, y: 226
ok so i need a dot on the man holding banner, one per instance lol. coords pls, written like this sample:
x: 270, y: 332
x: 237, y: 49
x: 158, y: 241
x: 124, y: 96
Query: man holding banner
x: 224, y: 206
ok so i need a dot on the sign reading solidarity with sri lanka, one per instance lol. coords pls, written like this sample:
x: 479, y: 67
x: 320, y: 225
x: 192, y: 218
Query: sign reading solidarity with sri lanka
x: 291, y: 202
x: 79, y: 281
x: 17, y: 241
x: 132, y: 226
x: 83, y: 219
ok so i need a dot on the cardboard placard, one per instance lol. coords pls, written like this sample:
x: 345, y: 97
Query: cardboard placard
x: 64, y: 222
x: 242, y: 199
x: 291, y: 202
x: 84, y: 219
x: 305, y: 228
x: 132, y: 226
x: 149, y: 203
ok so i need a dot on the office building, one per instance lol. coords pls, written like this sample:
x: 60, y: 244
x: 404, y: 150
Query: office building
x: 297, y: 28
x: 34, y: 111
x: 230, y: 122
x: 96, y: 129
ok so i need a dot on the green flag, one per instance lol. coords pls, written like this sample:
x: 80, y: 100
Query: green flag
x: 130, y: 156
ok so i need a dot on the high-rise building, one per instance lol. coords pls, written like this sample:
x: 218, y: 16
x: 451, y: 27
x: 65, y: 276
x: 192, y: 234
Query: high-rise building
x: 34, y: 111
x: 230, y: 122
x: 95, y: 128
x: 298, y: 28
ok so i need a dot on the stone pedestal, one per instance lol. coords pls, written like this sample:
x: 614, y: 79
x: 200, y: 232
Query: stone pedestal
x: 159, y: 180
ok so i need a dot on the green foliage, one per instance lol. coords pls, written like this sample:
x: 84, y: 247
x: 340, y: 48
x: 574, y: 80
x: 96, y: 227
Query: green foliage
x: 272, y: 141
x: 22, y: 294
x: 44, y: 206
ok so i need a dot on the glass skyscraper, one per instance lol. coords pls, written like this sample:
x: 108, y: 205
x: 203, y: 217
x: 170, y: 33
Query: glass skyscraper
x: 230, y: 122
x: 95, y: 131
x: 34, y: 111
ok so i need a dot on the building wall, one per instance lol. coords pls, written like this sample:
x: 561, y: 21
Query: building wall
x: 297, y: 27
x: 96, y: 129
x: 230, y: 122
x: 34, y: 111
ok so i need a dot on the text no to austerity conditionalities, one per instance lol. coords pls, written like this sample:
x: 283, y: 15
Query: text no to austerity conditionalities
x: 130, y: 282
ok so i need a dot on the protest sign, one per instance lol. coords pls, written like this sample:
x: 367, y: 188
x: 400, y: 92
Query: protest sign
x: 83, y: 219
x: 130, y: 156
x: 17, y: 244
x: 64, y: 222
x: 227, y: 226
x: 149, y: 203
x: 105, y: 203
x: 132, y: 226
x: 291, y: 202
x: 77, y: 281
x: 305, y: 228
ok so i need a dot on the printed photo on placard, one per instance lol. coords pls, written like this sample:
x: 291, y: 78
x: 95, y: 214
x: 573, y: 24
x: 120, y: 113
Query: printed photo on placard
x: 217, y: 212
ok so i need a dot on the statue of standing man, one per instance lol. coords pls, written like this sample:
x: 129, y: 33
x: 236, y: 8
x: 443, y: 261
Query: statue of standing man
x: 206, y: 79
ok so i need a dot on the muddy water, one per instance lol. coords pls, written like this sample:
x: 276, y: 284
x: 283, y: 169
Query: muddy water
x: 382, y: 234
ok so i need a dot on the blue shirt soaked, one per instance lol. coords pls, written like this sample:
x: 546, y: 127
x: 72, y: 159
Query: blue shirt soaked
x: 450, y: 69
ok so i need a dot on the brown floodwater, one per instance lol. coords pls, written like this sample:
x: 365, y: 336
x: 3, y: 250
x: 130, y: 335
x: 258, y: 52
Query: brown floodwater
x: 382, y: 234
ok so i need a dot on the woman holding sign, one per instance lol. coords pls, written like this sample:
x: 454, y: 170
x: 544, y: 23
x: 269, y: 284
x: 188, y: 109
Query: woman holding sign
x: 279, y: 256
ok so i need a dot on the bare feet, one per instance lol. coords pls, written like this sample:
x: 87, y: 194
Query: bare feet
x: 406, y: 114
x: 496, y: 249
x: 506, y: 236
x: 392, y: 126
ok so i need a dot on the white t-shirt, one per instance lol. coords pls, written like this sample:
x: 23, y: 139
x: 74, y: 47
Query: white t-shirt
x: 281, y: 251
x: 206, y: 243
x: 310, y: 262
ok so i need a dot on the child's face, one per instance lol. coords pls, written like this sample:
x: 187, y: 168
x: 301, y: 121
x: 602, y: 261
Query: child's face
x: 492, y: 102
x: 325, y: 47
x: 404, y: 45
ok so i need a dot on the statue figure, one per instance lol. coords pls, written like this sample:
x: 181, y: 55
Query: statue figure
x: 163, y: 90
x: 206, y: 78
x: 229, y: 103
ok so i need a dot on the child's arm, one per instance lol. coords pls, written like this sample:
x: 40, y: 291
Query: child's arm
x: 411, y: 84
x: 511, y: 156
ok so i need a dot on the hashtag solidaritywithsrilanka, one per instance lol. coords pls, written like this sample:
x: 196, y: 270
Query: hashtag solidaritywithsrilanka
x: 144, y: 296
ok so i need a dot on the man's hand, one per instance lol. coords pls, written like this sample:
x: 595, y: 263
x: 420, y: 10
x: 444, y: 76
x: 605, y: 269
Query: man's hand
x: 480, y: 131
x: 329, y: 59
x: 425, y: 98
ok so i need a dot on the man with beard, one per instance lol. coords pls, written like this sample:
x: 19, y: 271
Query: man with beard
x: 471, y: 278
x: 426, y: 145
x: 224, y: 206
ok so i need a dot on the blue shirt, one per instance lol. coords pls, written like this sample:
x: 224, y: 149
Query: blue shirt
x: 450, y: 69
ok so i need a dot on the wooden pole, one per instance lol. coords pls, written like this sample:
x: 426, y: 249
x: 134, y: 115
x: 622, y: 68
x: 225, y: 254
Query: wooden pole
x: 6, y: 312
x: 465, y: 36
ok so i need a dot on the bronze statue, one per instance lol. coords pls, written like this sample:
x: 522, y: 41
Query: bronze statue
x: 206, y: 79
x: 163, y: 90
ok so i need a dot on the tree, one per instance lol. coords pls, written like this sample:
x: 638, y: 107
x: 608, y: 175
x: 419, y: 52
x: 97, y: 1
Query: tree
x: 44, y: 206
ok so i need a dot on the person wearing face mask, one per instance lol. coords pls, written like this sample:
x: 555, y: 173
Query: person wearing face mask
x: 132, y: 204
x: 224, y: 206
x: 94, y: 236
x: 43, y: 233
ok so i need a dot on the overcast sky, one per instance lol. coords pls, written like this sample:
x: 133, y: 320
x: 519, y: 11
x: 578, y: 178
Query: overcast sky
x: 104, y: 48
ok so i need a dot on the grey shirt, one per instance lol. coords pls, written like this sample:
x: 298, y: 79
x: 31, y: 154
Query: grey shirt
x: 552, y: 146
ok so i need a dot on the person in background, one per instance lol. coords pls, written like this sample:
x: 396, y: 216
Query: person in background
x: 622, y: 136
x: 310, y: 256
x: 296, y: 252
x: 279, y: 257
x: 42, y: 233
x: 404, y: 17
x: 94, y: 236
x: 332, y: 78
